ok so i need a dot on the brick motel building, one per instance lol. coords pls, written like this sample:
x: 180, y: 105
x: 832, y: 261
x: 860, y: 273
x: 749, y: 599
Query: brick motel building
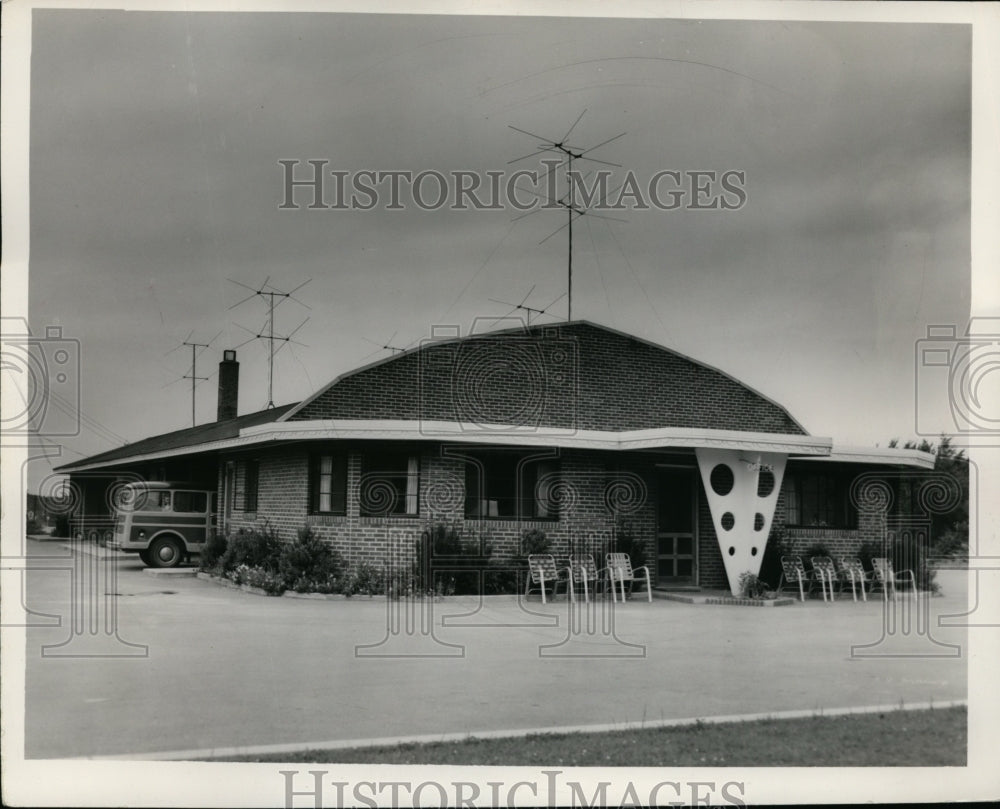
x: 578, y: 430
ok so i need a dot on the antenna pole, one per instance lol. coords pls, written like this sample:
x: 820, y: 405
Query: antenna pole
x: 569, y: 213
x: 270, y: 343
x: 194, y: 373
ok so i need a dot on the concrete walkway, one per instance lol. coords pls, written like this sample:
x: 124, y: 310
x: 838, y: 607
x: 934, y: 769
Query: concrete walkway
x: 230, y: 669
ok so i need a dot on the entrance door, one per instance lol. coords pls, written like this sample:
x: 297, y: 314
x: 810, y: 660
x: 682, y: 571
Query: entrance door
x: 676, y: 549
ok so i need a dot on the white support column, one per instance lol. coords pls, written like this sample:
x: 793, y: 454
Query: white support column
x: 741, y: 517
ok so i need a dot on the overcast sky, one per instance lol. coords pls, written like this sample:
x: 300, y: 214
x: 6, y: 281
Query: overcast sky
x: 155, y: 141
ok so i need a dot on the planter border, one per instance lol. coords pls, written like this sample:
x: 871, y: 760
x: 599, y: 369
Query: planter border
x: 257, y: 591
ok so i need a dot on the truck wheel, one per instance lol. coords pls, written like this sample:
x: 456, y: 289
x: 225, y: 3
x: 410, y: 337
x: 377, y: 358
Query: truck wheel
x: 166, y: 552
x: 147, y: 559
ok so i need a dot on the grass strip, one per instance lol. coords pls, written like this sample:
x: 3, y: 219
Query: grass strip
x: 914, y: 738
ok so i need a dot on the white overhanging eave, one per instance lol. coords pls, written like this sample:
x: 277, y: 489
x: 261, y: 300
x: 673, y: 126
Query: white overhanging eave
x: 805, y: 447
x: 656, y: 438
x: 878, y: 455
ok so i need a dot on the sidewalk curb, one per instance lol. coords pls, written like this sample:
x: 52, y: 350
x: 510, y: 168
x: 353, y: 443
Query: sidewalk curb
x: 393, y: 741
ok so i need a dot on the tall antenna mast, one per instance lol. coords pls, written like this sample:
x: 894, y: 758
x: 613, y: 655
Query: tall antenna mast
x: 569, y: 154
x: 193, y: 376
x: 270, y: 292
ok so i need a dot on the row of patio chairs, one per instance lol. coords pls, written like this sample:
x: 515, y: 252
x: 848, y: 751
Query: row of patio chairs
x: 580, y: 571
x: 832, y: 577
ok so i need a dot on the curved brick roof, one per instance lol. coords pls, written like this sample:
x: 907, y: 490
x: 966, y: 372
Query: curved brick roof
x: 575, y: 375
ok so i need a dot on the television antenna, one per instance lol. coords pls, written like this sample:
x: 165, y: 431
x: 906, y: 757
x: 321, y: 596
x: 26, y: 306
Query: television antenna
x: 387, y: 345
x: 268, y: 292
x: 193, y: 376
x: 568, y: 154
x: 529, y: 310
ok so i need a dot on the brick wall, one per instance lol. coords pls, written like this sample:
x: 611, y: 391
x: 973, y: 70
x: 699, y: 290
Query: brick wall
x: 576, y: 376
x: 589, y: 481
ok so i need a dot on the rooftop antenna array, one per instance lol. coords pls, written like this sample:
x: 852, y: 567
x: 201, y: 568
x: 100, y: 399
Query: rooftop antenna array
x: 268, y: 292
x: 387, y: 345
x: 529, y: 310
x: 193, y: 376
x: 568, y: 154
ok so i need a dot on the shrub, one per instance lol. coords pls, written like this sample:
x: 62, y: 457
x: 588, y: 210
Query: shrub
x: 308, y: 559
x: 444, y: 563
x: 816, y: 549
x: 534, y: 541
x: 267, y: 580
x: 364, y: 579
x: 213, y: 551
x: 752, y: 587
x: 255, y: 547
x: 636, y: 550
x: 954, y: 541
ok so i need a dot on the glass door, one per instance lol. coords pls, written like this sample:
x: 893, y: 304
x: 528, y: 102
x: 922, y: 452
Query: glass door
x: 676, y: 549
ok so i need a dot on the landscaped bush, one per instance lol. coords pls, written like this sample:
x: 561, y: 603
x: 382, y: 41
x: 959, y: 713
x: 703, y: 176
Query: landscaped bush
x: 445, y: 563
x: 267, y: 580
x: 625, y: 542
x: 752, y: 587
x: 534, y: 541
x: 308, y: 564
x: 253, y: 547
x: 816, y: 549
x: 364, y: 579
x: 213, y: 551
x: 954, y: 541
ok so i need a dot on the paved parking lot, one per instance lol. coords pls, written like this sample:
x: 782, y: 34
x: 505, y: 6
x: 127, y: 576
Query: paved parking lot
x: 226, y: 668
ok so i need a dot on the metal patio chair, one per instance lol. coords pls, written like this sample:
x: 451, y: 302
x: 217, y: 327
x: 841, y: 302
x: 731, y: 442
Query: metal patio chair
x: 542, y: 572
x: 584, y: 572
x: 619, y: 570
x: 851, y: 570
x: 792, y: 570
x: 825, y: 572
x: 884, y: 577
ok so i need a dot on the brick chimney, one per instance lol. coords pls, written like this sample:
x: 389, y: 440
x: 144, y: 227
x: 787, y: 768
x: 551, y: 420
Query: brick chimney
x: 229, y: 386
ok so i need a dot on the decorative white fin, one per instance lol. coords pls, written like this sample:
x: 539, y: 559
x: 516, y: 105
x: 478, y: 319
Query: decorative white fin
x: 742, y: 489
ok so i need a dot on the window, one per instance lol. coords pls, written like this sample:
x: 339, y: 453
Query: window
x: 390, y: 484
x: 511, y: 485
x: 328, y: 484
x: 251, y: 476
x: 195, y: 502
x: 819, y: 500
x: 153, y: 501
